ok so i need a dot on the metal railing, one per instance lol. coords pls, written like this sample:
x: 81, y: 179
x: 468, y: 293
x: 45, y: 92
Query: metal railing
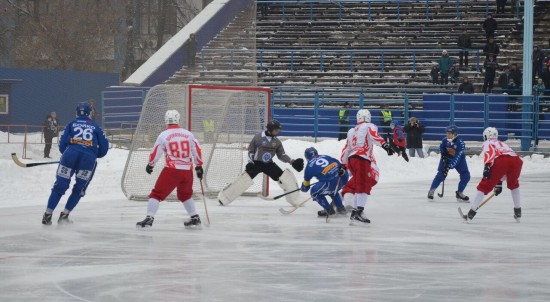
x: 517, y: 117
x: 428, y: 12
x: 348, y: 55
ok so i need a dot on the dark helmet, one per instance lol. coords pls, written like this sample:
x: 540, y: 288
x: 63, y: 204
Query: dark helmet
x: 272, y: 125
x: 310, y: 153
x: 83, y: 109
x: 453, y: 129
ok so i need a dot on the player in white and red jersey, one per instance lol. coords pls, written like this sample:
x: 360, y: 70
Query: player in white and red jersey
x: 501, y: 162
x: 358, y: 157
x: 181, y: 151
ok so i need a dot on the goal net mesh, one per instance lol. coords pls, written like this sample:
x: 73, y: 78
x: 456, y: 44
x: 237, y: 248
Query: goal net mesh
x: 223, y: 120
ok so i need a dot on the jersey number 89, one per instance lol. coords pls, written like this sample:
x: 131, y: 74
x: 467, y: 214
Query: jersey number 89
x: 179, y: 149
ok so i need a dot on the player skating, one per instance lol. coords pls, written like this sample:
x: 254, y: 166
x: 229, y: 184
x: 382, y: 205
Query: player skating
x: 358, y: 156
x: 332, y: 177
x: 81, y: 144
x: 501, y: 163
x: 181, y: 150
x: 398, y: 142
x: 452, y: 150
x: 261, y: 150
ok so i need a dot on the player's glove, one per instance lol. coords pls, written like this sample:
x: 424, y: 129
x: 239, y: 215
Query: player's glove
x: 199, y: 171
x: 388, y: 149
x: 304, y: 188
x: 298, y: 164
x: 342, y: 170
x: 498, y: 188
x: 149, y: 169
x: 249, y: 167
x: 487, y: 171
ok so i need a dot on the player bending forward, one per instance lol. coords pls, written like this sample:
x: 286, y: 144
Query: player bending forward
x: 81, y: 144
x: 261, y: 150
x: 332, y: 177
x: 452, y: 157
x: 358, y: 156
x: 398, y: 142
x: 181, y: 150
x: 501, y: 162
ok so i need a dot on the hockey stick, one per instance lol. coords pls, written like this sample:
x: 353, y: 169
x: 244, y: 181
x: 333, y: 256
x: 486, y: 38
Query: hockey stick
x: 286, y: 212
x: 483, y: 203
x: 24, y: 165
x: 442, y: 189
x: 204, y: 201
x: 332, y: 201
x: 282, y: 195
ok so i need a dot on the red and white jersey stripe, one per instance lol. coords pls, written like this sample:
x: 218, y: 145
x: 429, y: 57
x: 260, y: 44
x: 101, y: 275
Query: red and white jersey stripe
x: 493, y: 148
x: 180, y: 147
x: 361, y: 141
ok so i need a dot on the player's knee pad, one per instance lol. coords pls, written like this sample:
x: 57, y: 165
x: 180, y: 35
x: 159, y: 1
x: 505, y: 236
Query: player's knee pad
x: 288, y: 183
x: 235, y: 189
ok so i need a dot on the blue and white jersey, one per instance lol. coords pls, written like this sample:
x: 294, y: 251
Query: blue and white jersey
x: 323, y: 167
x: 453, y: 151
x: 85, y: 135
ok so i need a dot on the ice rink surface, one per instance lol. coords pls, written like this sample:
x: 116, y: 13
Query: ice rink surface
x: 414, y: 250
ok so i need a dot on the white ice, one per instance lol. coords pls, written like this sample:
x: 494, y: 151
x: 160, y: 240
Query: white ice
x: 414, y: 250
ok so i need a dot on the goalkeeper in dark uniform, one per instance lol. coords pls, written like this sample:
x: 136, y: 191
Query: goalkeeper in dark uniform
x: 261, y: 150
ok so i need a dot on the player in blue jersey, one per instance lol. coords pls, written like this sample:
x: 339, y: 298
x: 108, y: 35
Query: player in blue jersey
x: 81, y: 144
x: 452, y: 150
x: 330, y: 174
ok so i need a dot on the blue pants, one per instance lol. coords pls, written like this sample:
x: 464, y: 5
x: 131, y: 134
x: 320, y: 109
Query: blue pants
x: 320, y: 190
x: 72, y: 162
x: 461, y: 168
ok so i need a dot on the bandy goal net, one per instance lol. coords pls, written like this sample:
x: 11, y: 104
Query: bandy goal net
x: 223, y: 119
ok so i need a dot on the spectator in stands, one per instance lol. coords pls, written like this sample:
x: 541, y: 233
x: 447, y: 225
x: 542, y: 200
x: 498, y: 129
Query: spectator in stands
x: 343, y: 120
x: 538, y: 88
x: 501, y: 6
x: 444, y: 67
x: 386, y: 121
x: 491, y: 48
x: 464, y: 43
x: 209, y: 129
x: 538, y: 58
x: 414, y: 130
x: 454, y: 73
x: 516, y: 74
x: 94, y: 116
x: 435, y: 74
x: 50, y: 131
x: 191, y: 50
x: 546, y: 78
x: 466, y: 87
x: 491, y: 67
x: 264, y: 7
x: 504, y: 78
x: 490, y: 25
x: 513, y: 88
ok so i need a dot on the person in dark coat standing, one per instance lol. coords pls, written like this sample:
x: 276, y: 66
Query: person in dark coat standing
x: 504, y: 78
x: 538, y: 58
x: 490, y: 25
x: 491, y: 49
x: 414, y: 130
x: 466, y: 87
x: 445, y: 64
x: 343, y: 120
x: 516, y: 74
x: 191, y: 50
x: 50, y: 131
x: 464, y: 43
x: 501, y: 6
x: 491, y: 67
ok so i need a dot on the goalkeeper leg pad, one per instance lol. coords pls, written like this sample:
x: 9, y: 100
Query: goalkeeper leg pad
x: 235, y: 189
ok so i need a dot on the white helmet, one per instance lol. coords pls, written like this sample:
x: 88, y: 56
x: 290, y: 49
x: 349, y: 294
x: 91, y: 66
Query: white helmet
x: 363, y: 115
x: 172, y: 117
x: 490, y: 132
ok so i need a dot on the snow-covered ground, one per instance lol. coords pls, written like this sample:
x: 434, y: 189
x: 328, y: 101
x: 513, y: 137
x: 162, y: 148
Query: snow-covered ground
x: 414, y: 250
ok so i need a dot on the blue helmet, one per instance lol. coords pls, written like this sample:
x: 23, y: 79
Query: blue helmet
x: 310, y: 153
x: 83, y: 109
x: 453, y: 129
x: 395, y: 123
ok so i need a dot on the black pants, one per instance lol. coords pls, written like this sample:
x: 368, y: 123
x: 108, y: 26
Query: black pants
x: 343, y: 131
x: 48, y: 138
x: 488, y: 83
x: 501, y: 5
x: 444, y: 78
x: 270, y: 169
x: 461, y: 55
